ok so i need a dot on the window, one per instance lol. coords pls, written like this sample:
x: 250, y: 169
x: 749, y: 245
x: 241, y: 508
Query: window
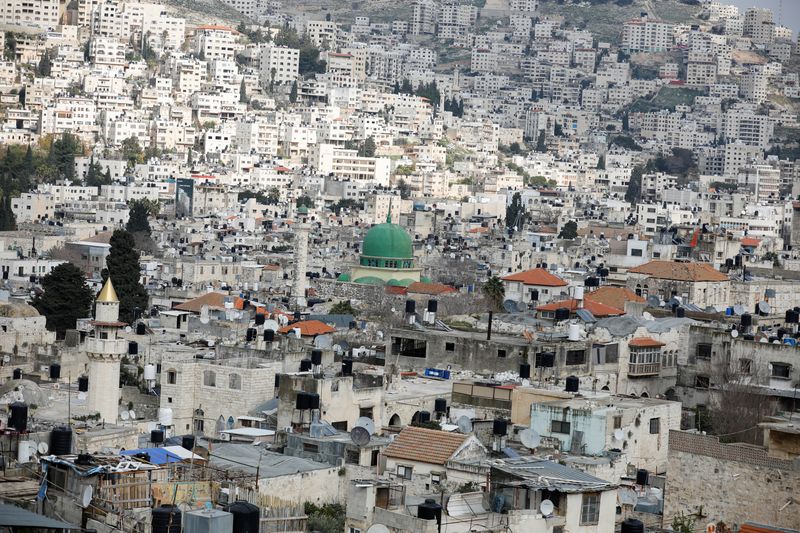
x: 404, y: 471
x: 617, y: 421
x: 590, y: 509
x: 365, y: 412
x: 701, y: 382
x: 436, y: 478
x: 209, y: 378
x: 559, y: 426
x: 409, y: 347
x: 636, y: 252
x: 655, y: 426
x: 576, y: 357
x: 781, y: 370
x: 449, y: 347
x: 501, y: 353
x: 234, y: 381
x: 704, y: 351
x: 745, y: 366
x: 310, y: 447
x: 353, y: 530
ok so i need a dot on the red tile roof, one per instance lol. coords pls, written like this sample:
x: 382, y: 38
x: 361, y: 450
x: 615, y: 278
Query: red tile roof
x: 425, y: 445
x: 750, y: 241
x: 212, y: 300
x: 645, y: 342
x: 537, y: 276
x: 308, y: 328
x: 678, y: 271
x: 420, y: 287
x: 596, y: 308
x: 750, y: 527
x: 613, y: 296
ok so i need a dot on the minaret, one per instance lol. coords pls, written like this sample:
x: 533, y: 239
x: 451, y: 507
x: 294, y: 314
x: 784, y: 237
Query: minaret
x: 300, y: 260
x: 105, y: 351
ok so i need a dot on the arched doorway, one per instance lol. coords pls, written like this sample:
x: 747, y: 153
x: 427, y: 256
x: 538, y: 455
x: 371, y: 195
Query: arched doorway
x: 394, y: 420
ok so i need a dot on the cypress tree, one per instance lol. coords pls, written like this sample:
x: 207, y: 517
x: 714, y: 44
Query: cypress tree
x: 123, y: 268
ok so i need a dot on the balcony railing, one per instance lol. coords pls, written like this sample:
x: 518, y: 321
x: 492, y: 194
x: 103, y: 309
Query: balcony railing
x: 643, y: 369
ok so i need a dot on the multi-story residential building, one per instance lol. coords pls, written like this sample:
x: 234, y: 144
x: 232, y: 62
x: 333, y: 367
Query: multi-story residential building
x: 347, y: 164
x: 44, y: 14
x: 323, y: 33
x: 527, y: 7
x: 701, y: 74
x: 423, y: 18
x: 759, y: 25
x: 754, y: 85
x: 278, y: 64
x: 216, y: 42
x: 647, y: 35
x: 741, y: 123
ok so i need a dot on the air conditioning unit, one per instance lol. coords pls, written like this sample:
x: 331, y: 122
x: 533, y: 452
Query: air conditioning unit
x: 225, y: 436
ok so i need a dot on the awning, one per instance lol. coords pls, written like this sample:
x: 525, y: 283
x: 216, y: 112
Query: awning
x: 13, y: 516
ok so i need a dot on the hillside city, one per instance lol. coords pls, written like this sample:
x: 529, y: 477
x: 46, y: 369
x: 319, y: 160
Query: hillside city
x: 417, y: 266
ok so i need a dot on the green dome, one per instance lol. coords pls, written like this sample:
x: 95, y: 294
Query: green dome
x: 389, y: 241
x: 369, y: 280
x: 343, y: 277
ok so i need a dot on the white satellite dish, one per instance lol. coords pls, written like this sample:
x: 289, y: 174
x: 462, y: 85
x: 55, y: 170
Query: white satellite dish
x: 366, y: 423
x: 132, y: 414
x: 734, y: 333
x: 464, y: 424
x: 42, y: 448
x: 619, y: 434
x: 204, y: 318
x: 529, y: 438
x: 763, y: 340
x: 378, y: 528
x: 271, y: 324
x: 128, y: 329
x: 86, y: 495
x: 546, y: 507
x: 360, y: 436
x: 764, y: 308
x: 323, y: 342
x: 647, y: 316
x: 124, y: 415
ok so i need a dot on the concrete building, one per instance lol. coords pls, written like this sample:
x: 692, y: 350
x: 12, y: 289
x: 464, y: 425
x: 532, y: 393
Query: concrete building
x: 42, y: 14
x: 647, y: 35
x: 537, y: 286
x: 695, y: 283
x: 759, y: 25
x: 279, y: 64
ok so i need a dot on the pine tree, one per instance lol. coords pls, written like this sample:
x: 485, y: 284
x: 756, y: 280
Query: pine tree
x: 368, y: 148
x: 541, y: 145
x: 45, y: 65
x: 293, y: 92
x: 123, y: 269
x: 65, y: 299
x: 8, y: 222
x: 243, y: 92
x: 137, y: 218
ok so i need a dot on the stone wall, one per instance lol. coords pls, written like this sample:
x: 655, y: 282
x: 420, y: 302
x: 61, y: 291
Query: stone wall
x: 729, y: 482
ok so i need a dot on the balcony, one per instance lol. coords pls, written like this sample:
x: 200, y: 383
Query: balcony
x: 636, y: 370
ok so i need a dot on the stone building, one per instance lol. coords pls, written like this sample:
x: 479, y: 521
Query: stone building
x: 697, y: 283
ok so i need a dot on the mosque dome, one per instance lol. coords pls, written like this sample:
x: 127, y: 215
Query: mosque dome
x: 387, y: 241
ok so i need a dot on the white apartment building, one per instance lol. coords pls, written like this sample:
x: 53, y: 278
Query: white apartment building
x: 647, y: 35
x: 759, y: 25
x: 249, y: 8
x: 701, y: 74
x: 746, y: 126
x: 33, y: 207
x: 342, y: 163
x: 43, y: 14
x: 763, y: 180
x: 216, y: 42
x: 107, y: 52
x: 754, y: 85
x: 423, y: 18
x: 188, y: 75
x: 456, y: 19
x: 70, y: 114
x: 257, y: 135
x: 284, y: 60
x: 528, y: 7
x: 323, y: 33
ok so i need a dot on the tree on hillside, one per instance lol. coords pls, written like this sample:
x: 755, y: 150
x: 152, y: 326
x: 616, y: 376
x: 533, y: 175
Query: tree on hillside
x: 515, y: 212
x: 132, y: 152
x: 541, y: 144
x: 634, y: 191
x: 45, y: 65
x: 343, y: 308
x: 138, y: 211
x: 243, y: 92
x: 8, y: 222
x: 495, y: 293
x: 95, y: 176
x: 569, y: 231
x: 65, y: 299
x: 368, y: 148
x: 62, y: 155
x: 293, y: 92
x: 123, y: 268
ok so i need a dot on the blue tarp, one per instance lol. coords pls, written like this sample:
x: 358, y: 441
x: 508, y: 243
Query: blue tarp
x: 158, y: 456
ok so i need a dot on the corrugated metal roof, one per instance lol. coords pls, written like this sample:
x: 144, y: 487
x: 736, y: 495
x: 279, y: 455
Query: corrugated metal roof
x: 466, y: 504
x: 13, y: 516
x: 542, y: 474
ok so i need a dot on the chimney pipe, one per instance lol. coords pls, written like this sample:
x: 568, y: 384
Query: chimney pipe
x: 489, y: 328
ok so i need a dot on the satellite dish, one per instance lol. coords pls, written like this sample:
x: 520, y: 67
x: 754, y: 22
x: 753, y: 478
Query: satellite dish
x: 739, y: 309
x: 464, y: 424
x: 546, y: 507
x: 204, y: 318
x: 366, y: 423
x: 764, y: 340
x: 510, y: 306
x: 124, y: 415
x: 378, y: 528
x: 42, y: 448
x: 529, y: 438
x: 86, y: 495
x: 764, y: 308
x: 619, y: 434
x: 271, y: 324
x: 132, y: 414
x: 128, y: 329
x: 6, y: 359
x: 360, y: 436
x: 653, y: 301
x: 734, y: 333
x: 323, y: 342
x: 81, y: 395
x: 647, y: 316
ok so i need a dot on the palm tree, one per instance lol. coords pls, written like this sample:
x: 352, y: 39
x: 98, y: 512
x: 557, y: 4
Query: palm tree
x: 495, y: 293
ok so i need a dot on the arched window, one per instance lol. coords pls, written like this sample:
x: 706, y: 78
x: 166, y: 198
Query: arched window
x: 395, y: 420
x: 209, y: 378
x: 234, y: 381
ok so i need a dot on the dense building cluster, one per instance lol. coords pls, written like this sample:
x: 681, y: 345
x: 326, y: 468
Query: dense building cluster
x: 423, y: 266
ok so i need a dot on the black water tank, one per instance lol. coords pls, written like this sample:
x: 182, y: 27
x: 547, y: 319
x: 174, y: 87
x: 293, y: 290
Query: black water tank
x: 572, y: 384
x: 84, y: 459
x: 313, y: 400
x: 83, y: 384
x: 729, y: 263
x: 433, y: 306
x: 55, y: 371
x: 246, y: 517
x: 18, y: 419
x: 424, y: 416
x: 524, y: 371
x: 680, y: 312
x: 17, y: 373
x: 603, y: 273
x: 429, y: 510
x: 737, y: 260
x: 157, y: 436
x: 562, y: 313
x: 347, y: 367
x: 61, y: 441
x: 260, y: 319
x: 641, y: 476
x: 133, y: 348
x: 301, y: 401
x: 316, y: 357
x: 749, y: 337
x: 297, y: 316
x: 746, y: 320
x: 632, y: 525
x: 140, y: 328
x: 591, y: 281
x: 411, y: 307
x: 792, y: 316
x: 251, y: 334
x: 500, y: 427
x: 545, y: 360
x: 269, y: 335
x: 440, y: 405
x: 187, y: 442
x: 305, y: 365
x: 166, y: 519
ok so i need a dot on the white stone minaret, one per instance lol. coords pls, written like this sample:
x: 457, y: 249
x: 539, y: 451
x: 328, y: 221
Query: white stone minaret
x: 105, y: 351
x: 300, y: 261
